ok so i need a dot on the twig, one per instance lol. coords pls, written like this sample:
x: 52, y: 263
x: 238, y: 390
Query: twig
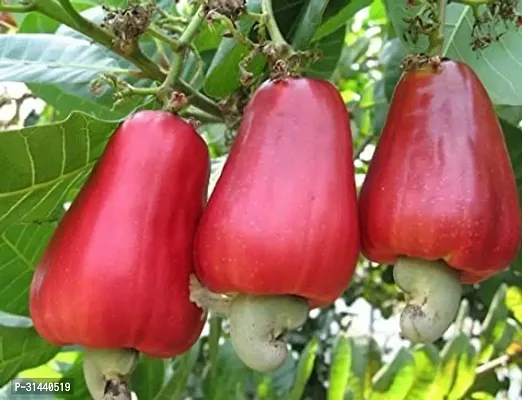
x: 184, y: 41
x: 17, y: 9
x: 164, y: 38
x: 361, y: 148
x: 200, y: 116
x: 235, y: 33
x: 437, y: 36
x: 271, y: 22
x: 501, y: 361
x: 70, y: 17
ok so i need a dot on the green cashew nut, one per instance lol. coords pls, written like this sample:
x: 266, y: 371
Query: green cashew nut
x: 257, y: 327
x: 433, y: 292
x: 107, y: 372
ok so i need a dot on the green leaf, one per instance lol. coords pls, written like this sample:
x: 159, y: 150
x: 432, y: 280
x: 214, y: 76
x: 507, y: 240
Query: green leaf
x: 41, y: 164
x: 514, y: 302
x: 340, y: 369
x: 392, y: 54
x: 231, y: 374
x: 394, y: 380
x: 505, y: 339
x: 494, y: 324
x: 310, y: 20
x: 182, y: 368
x: 213, y: 352
x: 482, y: 396
x: 21, y: 348
x: 287, y: 15
x: 77, y: 96
x: 488, y: 384
x: 20, y: 248
x: 277, y: 384
x: 498, y: 66
x: 46, y: 58
x: 366, y: 362
x: 76, y: 374
x: 35, y: 22
x: 147, y: 378
x: 378, y: 14
x: 304, y: 369
x: 147, y: 43
x: 68, y: 98
x: 331, y: 47
x: 513, y: 136
x: 355, y: 361
x: 464, y: 372
x: 427, y: 363
x: 223, y: 75
x: 209, y: 37
x: 510, y: 114
x: 450, y: 356
x: 341, y: 18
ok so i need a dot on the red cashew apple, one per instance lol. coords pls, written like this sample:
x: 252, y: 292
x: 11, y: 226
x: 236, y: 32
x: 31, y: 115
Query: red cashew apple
x: 439, y: 200
x: 280, y: 232
x: 115, y: 275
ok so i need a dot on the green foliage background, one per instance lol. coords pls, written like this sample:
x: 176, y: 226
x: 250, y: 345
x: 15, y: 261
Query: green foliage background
x: 45, y: 162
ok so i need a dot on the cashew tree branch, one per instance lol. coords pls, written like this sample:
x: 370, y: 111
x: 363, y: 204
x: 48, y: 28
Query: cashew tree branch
x: 65, y: 13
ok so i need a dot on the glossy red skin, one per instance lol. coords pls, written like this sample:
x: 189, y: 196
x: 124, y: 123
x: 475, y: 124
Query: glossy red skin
x: 282, y: 218
x: 116, y: 272
x: 441, y: 185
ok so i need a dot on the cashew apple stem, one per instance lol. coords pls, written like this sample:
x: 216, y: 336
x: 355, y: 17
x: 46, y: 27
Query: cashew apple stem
x: 177, y: 63
x: 436, y: 38
x: 257, y: 323
x: 433, y: 292
x: 107, y: 372
x: 273, y: 29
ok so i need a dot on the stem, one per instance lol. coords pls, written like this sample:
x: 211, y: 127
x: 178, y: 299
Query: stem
x: 169, y: 17
x: 272, y: 27
x: 236, y: 34
x: 198, y: 99
x: 142, y: 91
x: 68, y: 16
x: 473, y: 2
x: 213, y: 347
x: 186, y: 38
x: 437, y: 37
x: 17, y: 9
x: 200, y: 116
x: 501, y: 361
x: 75, y: 15
x: 252, y: 16
x: 170, y: 28
x: 461, y: 316
x: 102, y: 37
x: 192, y: 28
x: 164, y: 38
x: 200, y: 65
